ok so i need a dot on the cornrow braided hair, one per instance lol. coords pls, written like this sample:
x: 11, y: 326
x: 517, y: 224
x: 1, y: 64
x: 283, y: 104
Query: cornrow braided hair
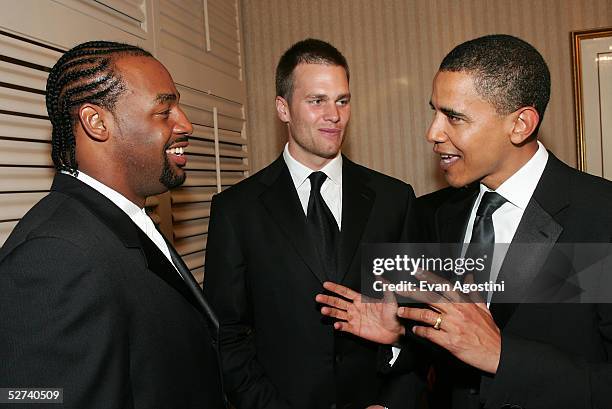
x: 84, y: 74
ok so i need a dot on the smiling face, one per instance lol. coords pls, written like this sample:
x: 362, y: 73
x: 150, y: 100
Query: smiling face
x: 317, y: 113
x: 472, y: 139
x: 150, y: 131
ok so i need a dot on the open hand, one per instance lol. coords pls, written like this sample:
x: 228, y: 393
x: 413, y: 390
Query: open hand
x: 374, y: 320
x: 461, y: 324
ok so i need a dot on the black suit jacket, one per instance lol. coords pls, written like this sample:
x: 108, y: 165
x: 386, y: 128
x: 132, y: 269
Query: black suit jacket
x: 90, y: 304
x: 262, y: 275
x: 553, y: 355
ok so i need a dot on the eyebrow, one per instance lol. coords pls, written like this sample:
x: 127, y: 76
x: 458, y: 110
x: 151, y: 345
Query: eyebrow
x: 449, y: 111
x: 320, y: 96
x: 163, y: 98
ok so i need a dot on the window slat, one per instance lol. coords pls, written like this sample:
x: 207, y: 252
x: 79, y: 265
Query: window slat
x: 23, y: 153
x: 194, y: 260
x: 25, y: 179
x: 130, y: 8
x: 195, y: 178
x: 182, y: 32
x: 191, y: 195
x: 190, y: 228
x: 22, y: 101
x: 15, y: 205
x: 191, y: 244
x: 14, y: 48
x: 191, y: 211
x: 19, y: 75
x: 193, y: 18
x: 25, y: 128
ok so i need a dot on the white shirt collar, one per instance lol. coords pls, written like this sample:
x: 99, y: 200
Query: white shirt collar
x: 138, y: 215
x: 519, y: 187
x: 117, y: 198
x: 299, y: 172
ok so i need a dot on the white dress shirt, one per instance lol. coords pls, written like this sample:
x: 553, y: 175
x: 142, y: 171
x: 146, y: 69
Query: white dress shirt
x: 517, y: 190
x: 331, y: 190
x: 138, y: 215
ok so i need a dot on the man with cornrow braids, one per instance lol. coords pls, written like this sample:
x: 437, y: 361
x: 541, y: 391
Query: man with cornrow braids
x: 94, y: 299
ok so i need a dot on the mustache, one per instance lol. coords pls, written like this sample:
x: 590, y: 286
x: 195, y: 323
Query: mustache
x: 184, y: 138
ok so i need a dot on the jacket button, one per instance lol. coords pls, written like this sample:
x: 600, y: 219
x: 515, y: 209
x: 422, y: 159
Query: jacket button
x: 338, y: 358
x: 332, y: 406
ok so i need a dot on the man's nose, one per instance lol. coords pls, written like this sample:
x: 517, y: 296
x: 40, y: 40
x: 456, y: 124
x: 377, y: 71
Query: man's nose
x: 436, y: 132
x: 183, y: 125
x: 332, y: 113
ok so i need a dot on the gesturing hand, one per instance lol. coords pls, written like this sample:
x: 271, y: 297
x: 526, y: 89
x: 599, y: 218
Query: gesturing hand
x: 374, y: 320
x: 461, y: 324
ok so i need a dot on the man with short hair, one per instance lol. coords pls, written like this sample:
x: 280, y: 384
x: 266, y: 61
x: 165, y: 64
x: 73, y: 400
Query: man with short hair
x: 489, y: 98
x: 94, y: 300
x: 276, y: 236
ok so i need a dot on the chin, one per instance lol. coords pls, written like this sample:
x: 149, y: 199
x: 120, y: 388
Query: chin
x: 171, y: 179
x: 455, y: 182
x: 330, y: 153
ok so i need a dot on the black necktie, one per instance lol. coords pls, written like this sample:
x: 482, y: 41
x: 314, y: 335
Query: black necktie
x: 322, y: 225
x: 482, y: 242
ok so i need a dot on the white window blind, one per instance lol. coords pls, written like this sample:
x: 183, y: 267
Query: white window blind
x: 217, y: 157
x: 198, y: 41
x: 26, y: 169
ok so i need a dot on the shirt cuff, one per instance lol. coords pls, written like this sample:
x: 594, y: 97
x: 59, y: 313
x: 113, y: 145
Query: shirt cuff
x: 395, y: 351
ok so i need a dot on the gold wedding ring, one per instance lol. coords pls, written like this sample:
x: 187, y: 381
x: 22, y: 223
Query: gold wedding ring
x: 438, y: 323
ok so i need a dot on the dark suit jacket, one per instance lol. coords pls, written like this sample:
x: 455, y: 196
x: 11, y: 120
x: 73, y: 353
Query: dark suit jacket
x: 553, y: 355
x: 262, y: 276
x: 91, y: 305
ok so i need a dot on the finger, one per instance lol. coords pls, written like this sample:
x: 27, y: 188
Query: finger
x: 448, y: 295
x: 425, y: 291
x: 421, y: 296
x: 335, y: 313
x: 389, y: 296
x: 332, y: 301
x: 423, y: 315
x: 345, y: 327
x: 482, y: 306
x: 445, y: 307
x: 425, y: 275
x: 433, y: 335
x: 473, y: 297
x: 341, y: 290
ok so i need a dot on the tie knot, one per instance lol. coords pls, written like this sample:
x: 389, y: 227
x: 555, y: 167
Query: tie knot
x: 491, y: 201
x: 316, y: 180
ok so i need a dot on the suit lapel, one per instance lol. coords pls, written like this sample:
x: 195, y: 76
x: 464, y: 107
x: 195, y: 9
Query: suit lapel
x: 194, y: 288
x: 283, y: 205
x: 520, y: 267
x: 125, y: 229
x: 357, y: 202
x: 198, y: 295
x: 159, y: 264
x: 537, y: 226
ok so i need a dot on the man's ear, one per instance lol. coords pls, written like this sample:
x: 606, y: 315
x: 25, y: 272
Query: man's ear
x: 94, y: 121
x: 282, y: 109
x: 525, y: 123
